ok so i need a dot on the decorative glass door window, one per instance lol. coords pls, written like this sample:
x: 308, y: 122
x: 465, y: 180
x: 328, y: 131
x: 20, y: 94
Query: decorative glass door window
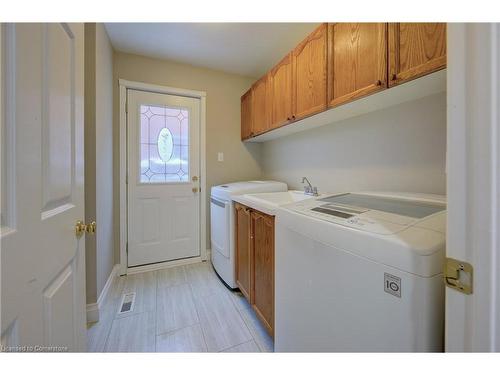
x: 164, y: 144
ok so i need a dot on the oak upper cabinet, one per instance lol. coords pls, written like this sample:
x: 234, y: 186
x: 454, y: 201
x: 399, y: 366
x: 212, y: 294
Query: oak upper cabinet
x: 263, y: 266
x: 415, y: 49
x: 243, y: 249
x: 357, y: 60
x: 261, y: 105
x: 281, y: 92
x: 246, y: 115
x: 310, y: 74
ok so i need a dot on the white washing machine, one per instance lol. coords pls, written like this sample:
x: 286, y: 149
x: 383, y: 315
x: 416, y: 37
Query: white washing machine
x: 222, y: 222
x: 360, y: 272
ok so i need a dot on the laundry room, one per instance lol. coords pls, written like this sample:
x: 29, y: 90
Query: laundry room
x: 263, y: 185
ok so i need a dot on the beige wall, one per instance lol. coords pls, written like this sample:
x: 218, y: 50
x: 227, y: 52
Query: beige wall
x: 402, y: 148
x: 241, y: 161
x: 98, y: 157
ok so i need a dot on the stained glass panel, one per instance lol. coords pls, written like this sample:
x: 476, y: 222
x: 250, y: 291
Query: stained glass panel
x: 164, y: 144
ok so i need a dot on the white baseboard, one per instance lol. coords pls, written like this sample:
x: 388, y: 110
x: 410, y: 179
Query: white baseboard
x: 94, y: 308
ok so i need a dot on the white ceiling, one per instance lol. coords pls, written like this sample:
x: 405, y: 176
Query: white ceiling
x: 248, y: 49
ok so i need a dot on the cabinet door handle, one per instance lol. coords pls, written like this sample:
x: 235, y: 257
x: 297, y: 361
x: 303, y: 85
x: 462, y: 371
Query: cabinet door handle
x: 293, y: 117
x: 394, y: 77
x: 378, y: 83
x: 288, y: 118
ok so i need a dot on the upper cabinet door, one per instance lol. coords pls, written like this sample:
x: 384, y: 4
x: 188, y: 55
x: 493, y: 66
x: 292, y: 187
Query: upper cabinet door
x: 310, y: 74
x: 357, y: 62
x: 246, y: 115
x: 261, y: 105
x: 281, y: 92
x: 415, y: 49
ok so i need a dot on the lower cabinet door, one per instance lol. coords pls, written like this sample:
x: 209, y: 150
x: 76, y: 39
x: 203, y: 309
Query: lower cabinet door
x: 243, y: 249
x: 263, y: 267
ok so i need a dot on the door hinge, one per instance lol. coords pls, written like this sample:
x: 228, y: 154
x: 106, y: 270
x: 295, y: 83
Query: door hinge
x: 126, y: 248
x: 458, y: 275
x: 126, y: 106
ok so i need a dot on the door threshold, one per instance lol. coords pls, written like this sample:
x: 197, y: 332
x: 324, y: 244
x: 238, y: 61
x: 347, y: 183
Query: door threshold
x: 163, y: 265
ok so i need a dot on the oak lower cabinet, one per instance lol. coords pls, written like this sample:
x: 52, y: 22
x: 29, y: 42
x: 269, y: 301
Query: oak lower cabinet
x: 415, y: 49
x: 263, y: 268
x: 357, y: 61
x: 255, y: 261
x: 243, y: 249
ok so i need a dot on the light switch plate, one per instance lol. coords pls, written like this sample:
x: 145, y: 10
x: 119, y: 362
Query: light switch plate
x: 220, y: 156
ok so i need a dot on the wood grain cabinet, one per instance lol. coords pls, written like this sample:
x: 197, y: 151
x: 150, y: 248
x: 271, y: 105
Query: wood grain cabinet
x: 338, y: 63
x: 357, y: 61
x: 255, y: 261
x: 261, y: 105
x: 281, y: 92
x: 243, y: 249
x: 263, y: 268
x: 309, y: 79
x: 415, y: 49
x: 246, y: 115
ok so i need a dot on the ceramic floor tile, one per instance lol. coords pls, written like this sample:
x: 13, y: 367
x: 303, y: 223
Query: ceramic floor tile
x: 203, y: 279
x: 134, y: 333
x: 221, y: 323
x: 171, y: 277
x: 259, y: 333
x: 175, y: 309
x: 246, y: 347
x: 239, y: 300
x: 144, y: 286
x: 172, y: 315
x: 188, y: 339
x: 98, y: 332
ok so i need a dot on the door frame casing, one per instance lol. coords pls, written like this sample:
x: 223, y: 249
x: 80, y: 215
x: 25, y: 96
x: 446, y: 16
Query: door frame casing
x: 125, y: 85
x: 472, y: 322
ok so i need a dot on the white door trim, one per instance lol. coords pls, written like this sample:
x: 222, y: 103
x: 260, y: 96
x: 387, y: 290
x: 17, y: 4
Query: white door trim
x: 473, y: 184
x: 124, y: 85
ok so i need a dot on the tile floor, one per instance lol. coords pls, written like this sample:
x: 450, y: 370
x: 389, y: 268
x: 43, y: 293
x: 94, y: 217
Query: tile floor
x: 180, y: 309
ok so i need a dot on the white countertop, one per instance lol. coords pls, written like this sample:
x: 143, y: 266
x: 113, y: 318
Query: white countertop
x: 269, y: 202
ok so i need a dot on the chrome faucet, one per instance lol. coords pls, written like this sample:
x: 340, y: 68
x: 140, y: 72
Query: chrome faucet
x: 309, y: 189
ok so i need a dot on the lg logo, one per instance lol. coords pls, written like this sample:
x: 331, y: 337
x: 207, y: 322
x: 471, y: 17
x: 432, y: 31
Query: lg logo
x: 392, y: 284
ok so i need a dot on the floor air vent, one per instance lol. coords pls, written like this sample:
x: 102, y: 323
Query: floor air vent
x: 127, y: 304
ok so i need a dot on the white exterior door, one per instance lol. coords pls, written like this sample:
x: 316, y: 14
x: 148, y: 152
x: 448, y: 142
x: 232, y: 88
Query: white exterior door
x: 42, y: 261
x: 473, y: 235
x: 163, y: 134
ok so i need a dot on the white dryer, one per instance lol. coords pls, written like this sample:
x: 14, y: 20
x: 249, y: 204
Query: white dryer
x: 222, y: 222
x: 360, y: 272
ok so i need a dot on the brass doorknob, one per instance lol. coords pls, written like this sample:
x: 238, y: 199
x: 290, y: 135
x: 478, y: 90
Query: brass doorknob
x: 195, y: 190
x: 81, y: 228
x: 195, y: 178
x: 91, y: 228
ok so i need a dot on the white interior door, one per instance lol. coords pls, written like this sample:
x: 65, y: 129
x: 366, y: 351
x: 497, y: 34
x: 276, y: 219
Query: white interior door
x: 42, y: 261
x: 473, y: 157
x: 163, y: 177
